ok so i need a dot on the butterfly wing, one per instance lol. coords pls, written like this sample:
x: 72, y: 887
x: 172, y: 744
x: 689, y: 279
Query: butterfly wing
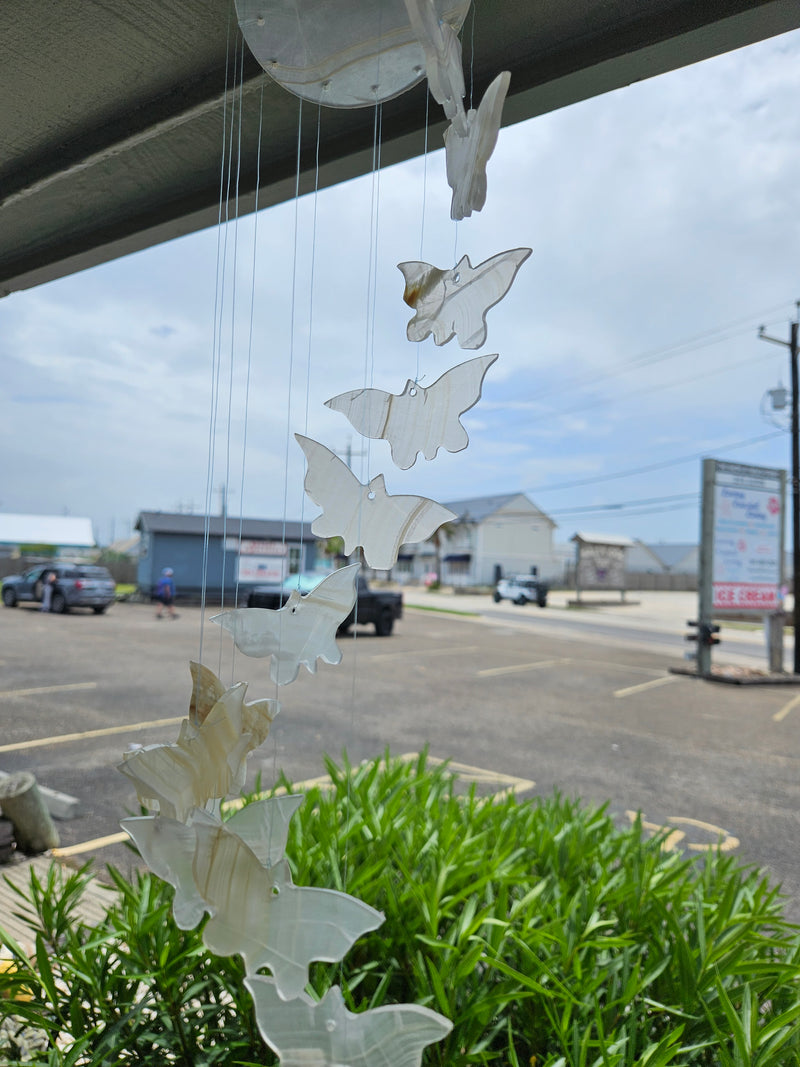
x: 307, y: 923
x: 302, y: 631
x: 425, y: 292
x: 255, y: 631
x: 168, y: 847
x: 206, y: 691
x: 318, y: 616
x: 207, y: 761
x: 264, y: 826
x: 327, y: 1034
x: 472, y: 291
x: 164, y: 775
x: 331, y: 484
x: 466, y: 156
x: 261, y: 915
x: 390, y: 521
x: 367, y: 409
x: 458, y: 390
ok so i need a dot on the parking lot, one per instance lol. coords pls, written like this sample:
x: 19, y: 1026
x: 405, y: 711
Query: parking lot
x: 529, y: 701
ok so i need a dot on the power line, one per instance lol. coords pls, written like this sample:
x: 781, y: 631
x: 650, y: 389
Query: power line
x: 622, y: 505
x: 655, y: 466
x: 646, y: 389
x: 670, y: 351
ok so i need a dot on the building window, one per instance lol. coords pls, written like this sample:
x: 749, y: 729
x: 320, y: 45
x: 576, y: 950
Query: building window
x: 294, y: 559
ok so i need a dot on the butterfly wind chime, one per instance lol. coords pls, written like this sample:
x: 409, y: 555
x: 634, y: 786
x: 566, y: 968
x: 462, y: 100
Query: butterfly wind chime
x: 235, y: 870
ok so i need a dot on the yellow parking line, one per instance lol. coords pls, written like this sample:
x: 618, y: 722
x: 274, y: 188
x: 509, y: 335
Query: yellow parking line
x: 652, y: 684
x: 61, y: 739
x: 490, y: 671
x: 479, y: 775
x: 48, y: 689
x: 726, y: 842
x: 89, y: 846
x: 779, y: 716
x: 463, y: 770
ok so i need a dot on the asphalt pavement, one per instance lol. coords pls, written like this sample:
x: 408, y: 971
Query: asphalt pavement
x: 521, y: 698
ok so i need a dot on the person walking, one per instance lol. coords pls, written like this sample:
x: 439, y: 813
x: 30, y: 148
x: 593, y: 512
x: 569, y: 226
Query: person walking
x: 165, y: 594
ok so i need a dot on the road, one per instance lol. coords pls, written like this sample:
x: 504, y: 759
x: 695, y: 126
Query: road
x: 525, y: 699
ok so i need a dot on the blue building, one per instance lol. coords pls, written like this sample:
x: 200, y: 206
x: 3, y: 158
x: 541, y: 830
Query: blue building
x: 247, y: 552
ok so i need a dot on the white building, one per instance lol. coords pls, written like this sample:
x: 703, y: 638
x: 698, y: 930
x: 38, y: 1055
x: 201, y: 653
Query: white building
x: 507, y: 532
x: 61, y: 534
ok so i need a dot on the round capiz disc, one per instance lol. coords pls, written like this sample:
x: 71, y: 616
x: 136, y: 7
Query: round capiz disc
x: 340, y: 53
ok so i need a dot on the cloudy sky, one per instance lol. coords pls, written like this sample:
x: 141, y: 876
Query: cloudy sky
x: 665, y: 225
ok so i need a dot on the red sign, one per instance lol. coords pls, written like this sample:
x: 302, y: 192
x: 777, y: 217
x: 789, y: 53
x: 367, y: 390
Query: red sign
x: 740, y: 595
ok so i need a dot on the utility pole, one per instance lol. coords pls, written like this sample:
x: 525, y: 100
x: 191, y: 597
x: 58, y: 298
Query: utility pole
x: 348, y: 453
x: 791, y: 344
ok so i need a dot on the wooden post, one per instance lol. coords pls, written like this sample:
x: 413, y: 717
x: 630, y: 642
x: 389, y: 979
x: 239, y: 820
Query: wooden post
x: 23, y: 806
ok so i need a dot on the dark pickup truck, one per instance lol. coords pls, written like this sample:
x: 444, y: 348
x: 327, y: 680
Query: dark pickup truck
x: 372, y: 607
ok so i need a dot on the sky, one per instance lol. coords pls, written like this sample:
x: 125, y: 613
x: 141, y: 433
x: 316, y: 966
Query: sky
x: 664, y: 220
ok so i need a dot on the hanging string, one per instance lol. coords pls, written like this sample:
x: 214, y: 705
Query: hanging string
x: 232, y: 355
x: 218, y: 290
x: 249, y: 345
x: 472, y: 58
x: 310, y: 320
x: 291, y: 323
x: 424, y: 202
x: 369, y: 364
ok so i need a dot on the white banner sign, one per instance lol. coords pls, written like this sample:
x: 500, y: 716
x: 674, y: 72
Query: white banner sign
x: 748, y: 521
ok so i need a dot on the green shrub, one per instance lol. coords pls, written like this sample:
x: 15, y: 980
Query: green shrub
x: 548, y: 935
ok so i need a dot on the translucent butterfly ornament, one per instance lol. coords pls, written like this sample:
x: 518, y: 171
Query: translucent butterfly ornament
x: 305, y: 1033
x: 455, y: 303
x: 208, y: 760
x: 235, y: 871
x: 366, y: 515
x: 466, y: 155
x: 301, y: 632
x: 420, y: 419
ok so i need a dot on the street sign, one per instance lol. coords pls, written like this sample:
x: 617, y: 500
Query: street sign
x: 741, y: 544
x: 747, y: 556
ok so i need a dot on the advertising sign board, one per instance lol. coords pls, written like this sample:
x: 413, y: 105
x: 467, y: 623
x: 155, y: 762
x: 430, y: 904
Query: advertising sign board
x: 256, y: 548
x: 267, y: 569
x: 747, y: 519
x: 601, y: 566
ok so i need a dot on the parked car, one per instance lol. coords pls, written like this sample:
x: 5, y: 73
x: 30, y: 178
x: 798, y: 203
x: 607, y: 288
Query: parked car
x: 521, y: 589
x: 373, y: 607
x: 77, y: 585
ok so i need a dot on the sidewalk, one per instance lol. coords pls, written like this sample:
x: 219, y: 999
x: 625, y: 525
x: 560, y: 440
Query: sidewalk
x: 660, y: 612
x: 94, y: 902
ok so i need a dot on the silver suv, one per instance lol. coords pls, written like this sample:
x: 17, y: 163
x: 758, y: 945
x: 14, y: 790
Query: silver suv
x: 522, y: 589
x: 77, y: 585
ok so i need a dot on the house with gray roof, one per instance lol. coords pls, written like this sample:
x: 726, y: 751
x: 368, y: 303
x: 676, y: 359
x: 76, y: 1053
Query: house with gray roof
x: 501, y: 534
x: 663, y: 558
x: 241, y: 553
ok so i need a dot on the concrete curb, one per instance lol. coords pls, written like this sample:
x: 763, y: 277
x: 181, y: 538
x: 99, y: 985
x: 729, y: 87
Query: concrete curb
x: 60, y: 805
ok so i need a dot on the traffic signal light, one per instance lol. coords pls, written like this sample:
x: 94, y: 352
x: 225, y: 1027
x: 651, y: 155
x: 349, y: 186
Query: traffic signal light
x: 706, y: 633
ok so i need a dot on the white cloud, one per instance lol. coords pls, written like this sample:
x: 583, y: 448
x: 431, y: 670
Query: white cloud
x: 656, y: 213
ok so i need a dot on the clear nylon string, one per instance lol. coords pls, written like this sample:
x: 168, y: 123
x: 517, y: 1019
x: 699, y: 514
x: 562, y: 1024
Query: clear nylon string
x: 310, y: 319
x: 232, y: 353
x: 219, y: 275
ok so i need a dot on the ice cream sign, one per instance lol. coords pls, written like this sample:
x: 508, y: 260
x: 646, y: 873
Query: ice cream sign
x: 747, y: 530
